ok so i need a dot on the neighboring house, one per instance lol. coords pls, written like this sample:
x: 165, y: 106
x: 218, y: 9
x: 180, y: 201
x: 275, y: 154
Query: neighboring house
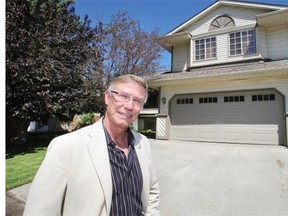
x: 229, y: 76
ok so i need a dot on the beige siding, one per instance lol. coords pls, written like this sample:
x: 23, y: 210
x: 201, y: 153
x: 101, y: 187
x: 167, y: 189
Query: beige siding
x: 180, y: 57
x: 278, y: 43
x: 222, y: 52
x: 240, y: 16
x: 199, y: 87
x: 262, y: 47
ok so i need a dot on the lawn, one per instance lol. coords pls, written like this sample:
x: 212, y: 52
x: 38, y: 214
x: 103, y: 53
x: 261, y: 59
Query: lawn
x: 23, y: 161
x: 22, y: 168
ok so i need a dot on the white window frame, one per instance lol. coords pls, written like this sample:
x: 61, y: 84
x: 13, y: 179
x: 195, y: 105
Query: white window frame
x: 241, y: 42
x: 204, y: 47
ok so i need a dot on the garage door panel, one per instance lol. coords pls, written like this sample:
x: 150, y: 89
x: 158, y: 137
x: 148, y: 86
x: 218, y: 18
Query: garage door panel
x: 184, y: 132
x: 238, y: 137
x: 208, y: 135
x: 248, y: 121
x: 268, y: 138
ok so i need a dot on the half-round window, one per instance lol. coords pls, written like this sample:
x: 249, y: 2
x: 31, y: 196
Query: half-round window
x: 223, y: 21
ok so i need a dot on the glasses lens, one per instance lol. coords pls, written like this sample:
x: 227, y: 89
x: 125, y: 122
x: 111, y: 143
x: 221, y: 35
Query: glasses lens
x: 120, y: 97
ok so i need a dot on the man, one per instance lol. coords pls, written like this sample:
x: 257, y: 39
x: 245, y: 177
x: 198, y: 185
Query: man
x: 101, y: 169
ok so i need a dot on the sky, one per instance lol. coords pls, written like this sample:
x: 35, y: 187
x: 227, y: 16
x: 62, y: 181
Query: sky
x: 164, y: 15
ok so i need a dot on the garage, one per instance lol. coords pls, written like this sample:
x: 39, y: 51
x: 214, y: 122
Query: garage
x: 253, y: 117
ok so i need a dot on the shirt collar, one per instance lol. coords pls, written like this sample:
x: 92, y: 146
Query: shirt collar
x: 131, y: 138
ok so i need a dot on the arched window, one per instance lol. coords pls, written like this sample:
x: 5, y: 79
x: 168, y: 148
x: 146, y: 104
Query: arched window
x: 223, y: 21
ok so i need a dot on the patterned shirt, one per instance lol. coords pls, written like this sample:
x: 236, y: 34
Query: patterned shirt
x: 126, y: 177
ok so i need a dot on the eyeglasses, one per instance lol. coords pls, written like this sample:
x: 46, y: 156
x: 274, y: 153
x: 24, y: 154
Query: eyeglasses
x: 121, y: 97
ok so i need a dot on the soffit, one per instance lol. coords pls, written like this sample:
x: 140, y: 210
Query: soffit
x: 273, y: 19
x: 168, y: 41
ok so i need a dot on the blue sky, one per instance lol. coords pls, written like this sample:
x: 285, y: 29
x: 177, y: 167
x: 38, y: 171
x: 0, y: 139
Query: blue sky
x: 164, y: 15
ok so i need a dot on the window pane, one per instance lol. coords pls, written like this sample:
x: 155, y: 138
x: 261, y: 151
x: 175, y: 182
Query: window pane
x: 244, y: 43
x: 206, y: 48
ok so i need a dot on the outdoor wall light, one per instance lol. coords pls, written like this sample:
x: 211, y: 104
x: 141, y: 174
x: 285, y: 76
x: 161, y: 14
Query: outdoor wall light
x: 163, y: 99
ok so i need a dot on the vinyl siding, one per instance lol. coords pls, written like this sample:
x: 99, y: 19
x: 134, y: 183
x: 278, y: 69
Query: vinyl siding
x: 222, y: 52
x: 218, y: 86
x: 278, y: 43
x: 262, y: 45
x: 180, y: 57
x: 240, y: 16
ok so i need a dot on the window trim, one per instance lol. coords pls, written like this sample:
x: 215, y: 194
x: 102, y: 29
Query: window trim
x: 205, y: 48
x: 241, y: 37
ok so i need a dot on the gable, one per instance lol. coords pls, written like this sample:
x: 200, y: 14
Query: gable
x: 240, y: 16
x: 221, y: 7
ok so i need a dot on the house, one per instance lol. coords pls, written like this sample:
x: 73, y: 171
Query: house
x: 229, y: 76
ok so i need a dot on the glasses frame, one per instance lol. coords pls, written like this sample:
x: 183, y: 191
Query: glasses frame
x: 123, y: 98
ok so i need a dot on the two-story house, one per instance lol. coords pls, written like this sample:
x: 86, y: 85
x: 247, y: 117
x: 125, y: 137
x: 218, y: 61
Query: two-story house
x: 229, y: 76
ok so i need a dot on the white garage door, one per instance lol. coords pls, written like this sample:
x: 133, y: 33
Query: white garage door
x: 238, y: 117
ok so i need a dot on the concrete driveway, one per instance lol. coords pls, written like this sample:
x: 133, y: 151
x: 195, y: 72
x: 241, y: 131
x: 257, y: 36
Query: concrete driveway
x: 211, y: 179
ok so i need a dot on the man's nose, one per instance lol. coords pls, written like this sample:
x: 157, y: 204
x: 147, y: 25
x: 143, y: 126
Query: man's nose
x: 129, y: 104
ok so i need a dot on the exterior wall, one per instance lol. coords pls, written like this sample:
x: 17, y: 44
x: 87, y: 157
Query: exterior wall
x: 278, y: 43
x: 220, y: 86
x: 240, y: 16
x: 223, y: 56
x: 262, y: 46
x: 163, y: 127
x: 180, y: 57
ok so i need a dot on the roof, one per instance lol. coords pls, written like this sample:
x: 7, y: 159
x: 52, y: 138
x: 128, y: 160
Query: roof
x: 275, y: 18
x: 216, y: 4
x: 213, y: 71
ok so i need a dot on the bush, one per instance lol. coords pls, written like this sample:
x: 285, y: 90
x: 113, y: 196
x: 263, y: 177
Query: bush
x: 85, y: 119
x: 148, y: 133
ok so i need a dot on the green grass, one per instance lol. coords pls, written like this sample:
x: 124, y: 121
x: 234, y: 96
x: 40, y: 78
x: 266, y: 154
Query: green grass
x: 22, y: 168
x: 23, y: 160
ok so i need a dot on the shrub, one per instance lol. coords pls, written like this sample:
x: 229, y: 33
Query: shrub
x: 148, y: 133
x: 85, y: 119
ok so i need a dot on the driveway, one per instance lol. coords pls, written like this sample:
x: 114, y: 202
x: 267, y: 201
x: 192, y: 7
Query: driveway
x: 212, y: 179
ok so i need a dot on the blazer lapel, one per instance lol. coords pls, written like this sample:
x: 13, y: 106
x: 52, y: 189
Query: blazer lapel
x: 142, y: 158
x: 97, y: 148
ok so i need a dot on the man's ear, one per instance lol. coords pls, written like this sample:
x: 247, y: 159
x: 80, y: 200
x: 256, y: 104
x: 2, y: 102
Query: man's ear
x: 106, y: 97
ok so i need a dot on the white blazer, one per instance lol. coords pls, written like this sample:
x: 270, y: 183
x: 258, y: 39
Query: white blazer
x: 75, y: 176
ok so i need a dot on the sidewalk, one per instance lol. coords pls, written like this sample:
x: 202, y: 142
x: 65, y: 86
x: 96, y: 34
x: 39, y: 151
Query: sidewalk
x: 15, y: 200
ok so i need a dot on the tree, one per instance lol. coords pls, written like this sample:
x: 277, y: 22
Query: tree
x: 47, y: 47
x: 123, y: 47
x: 58, y: 65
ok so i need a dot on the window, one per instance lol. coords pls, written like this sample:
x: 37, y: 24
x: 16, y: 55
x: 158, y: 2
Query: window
x: 223, y: 21
x: 265, y: 97
x: 205, y: 48
x: 242, y: 43
x: 208, y: 100
x: 185, y: 101
x: 228, y: 99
